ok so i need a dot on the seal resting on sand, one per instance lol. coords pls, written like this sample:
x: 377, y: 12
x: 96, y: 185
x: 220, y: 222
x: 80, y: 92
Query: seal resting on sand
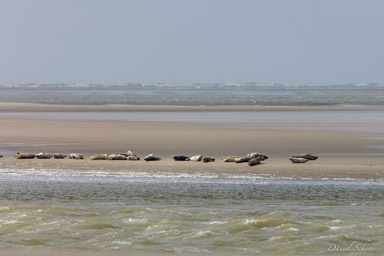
x: 208, y: 159
x: 298, y: 160
x: 24, y: 156
x: 257, y: 155
x: 151, y: 157
x: 59, y: 156
x: 228, y: 159
x: 1, y: 156
x: 242, y: 160
x: 306, y: 156
x: 43, y: 155
x: 99, y: 157
x: 117, y: 157
x: 132, y: 156
x: 180, y: 158
x: 254, y: 161
x: 195, y: 158
x: 76, y: 156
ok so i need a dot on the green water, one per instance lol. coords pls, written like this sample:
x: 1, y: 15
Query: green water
x: 188, y: 214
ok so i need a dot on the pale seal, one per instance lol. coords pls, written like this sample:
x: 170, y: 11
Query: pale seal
x: 132, y: 156
x: 298, y: 160
x: 24, y: 156
x: 99, y: 157
x: 151, y: 157
x: 180, y: 158
x: 117, y: 157
x: 43, y: 155
x: 242, y: 160
x: 195, y: 158
x: 207, y: 159
x: 228, y: 159
x: 257, y: 155
x: 306, y: 156
x: 76, y: 156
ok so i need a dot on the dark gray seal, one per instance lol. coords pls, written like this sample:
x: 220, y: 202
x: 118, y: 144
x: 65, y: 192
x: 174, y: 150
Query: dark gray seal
x: 208, y: 159
x: 59, y: 156
x: 254, y: 161
x: 151, y: 157
x: 180, y: 158
x: 43, y: 155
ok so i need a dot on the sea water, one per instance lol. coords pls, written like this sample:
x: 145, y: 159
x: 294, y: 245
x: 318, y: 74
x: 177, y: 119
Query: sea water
x: 165, y: 212
x: 198, y: 94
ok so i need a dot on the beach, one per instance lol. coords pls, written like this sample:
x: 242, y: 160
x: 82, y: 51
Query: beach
x: 168, y: 207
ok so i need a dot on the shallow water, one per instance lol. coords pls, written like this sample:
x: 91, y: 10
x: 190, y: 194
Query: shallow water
x: 294, y: 120
x: 130, y: 211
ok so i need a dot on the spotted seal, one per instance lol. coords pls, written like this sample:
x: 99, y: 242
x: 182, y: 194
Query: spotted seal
x: 75, y: 156
x: 132, y: 156
x: 257, y: 155
x: 228, y: 159
x: 116, y: 157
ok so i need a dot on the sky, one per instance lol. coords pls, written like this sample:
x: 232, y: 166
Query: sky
x: 194, y: 41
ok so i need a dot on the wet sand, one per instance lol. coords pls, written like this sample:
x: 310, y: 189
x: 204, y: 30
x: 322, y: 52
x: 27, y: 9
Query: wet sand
x: 351, y: 154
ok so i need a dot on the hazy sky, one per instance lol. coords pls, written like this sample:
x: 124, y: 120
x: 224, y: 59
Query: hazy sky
x: 149, y: 41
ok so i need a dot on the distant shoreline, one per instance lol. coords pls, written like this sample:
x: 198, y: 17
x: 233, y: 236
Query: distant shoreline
x: 39, y: 107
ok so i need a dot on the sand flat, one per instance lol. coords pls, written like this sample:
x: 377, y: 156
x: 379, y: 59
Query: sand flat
x: 340, y: 152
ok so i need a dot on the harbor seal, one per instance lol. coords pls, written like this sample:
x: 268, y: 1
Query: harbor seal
x: 24, y: 156
x: 75, y: 156
x: 243, y: 159
x: 195, y: 158
x: 257, y: 155
x: 1, y: 156
x: 298, y: 160
x: 207, y: 159
x: 59, y: 156
x: 228, y: 159
x: 180, y: 158
x: 254, y: 161
x: 117, y: 157
x: 43, y: 155
x: 151, y: 157
x: 99, y: 157
x: 306, y: 156
x: 132, y: 156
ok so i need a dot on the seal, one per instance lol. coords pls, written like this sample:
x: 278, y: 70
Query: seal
x: 207, y: 159
x: 151, y: 157
x: 24, y: 156
x: 59, y: 156
x: 298, y: 160
x: 76, y: 156
x: 306, y: 156
x: 243, y: 160
x: 117, y: 157
x: 99, y: 157
x: 228, y: 159
x: 180, y: 158
x: 43, y: 155
x: 257, y: 155
x: 254, y: 161
x: 195, y: 158
x: 132, y: 156
x: 1, y: 156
